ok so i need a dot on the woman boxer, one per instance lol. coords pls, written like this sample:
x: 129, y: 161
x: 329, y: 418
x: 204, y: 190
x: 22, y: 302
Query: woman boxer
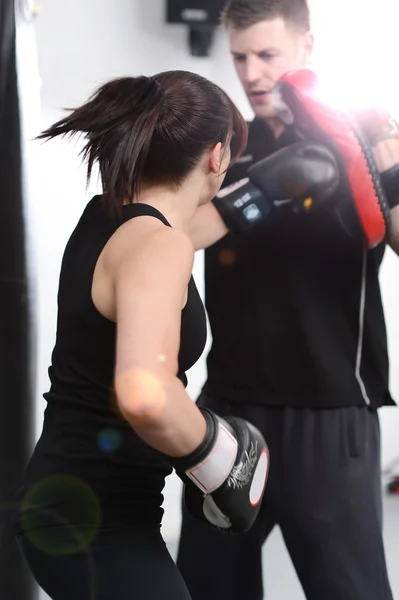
x: 130, y: 323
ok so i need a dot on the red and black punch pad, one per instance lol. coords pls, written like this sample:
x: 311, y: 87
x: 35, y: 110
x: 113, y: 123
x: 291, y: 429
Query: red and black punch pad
x: 362, y: 206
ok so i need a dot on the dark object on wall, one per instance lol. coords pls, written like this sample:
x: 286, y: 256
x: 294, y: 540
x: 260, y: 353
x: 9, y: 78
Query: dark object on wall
x: 390, y: 475
x: 393, y: 485
x: 202, y: 18
x: 16, y: 373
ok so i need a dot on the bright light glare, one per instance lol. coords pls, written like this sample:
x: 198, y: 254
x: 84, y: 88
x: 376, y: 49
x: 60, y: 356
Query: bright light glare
x: 356, y: 53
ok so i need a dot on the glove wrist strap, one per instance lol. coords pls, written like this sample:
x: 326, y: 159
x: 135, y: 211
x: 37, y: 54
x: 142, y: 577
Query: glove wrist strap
x: 241, y: 206
x: 209, y: 466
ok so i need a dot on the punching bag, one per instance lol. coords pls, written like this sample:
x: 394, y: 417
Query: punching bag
x: 16, y: 362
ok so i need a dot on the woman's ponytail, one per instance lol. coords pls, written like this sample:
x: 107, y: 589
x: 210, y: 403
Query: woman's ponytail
x: 151, y: 130
x: 118, y: 123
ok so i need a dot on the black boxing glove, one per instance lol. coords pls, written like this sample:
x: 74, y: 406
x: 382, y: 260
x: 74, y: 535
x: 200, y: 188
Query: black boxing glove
x: 225, y: 476
x: 303, y: 175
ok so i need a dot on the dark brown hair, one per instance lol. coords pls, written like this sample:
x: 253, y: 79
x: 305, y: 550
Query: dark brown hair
x: 151, y: 130
x: 240, y: 14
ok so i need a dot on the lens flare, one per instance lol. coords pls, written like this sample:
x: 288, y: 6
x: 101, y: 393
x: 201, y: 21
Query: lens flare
x: 109, y: 440
x: 61, y: 515
x: 227, y: 257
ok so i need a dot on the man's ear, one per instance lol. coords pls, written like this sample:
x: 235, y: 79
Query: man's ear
x: 307, y: 47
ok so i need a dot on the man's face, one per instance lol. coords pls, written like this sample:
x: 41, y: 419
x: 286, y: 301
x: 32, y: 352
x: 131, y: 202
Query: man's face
x: 262, y: 53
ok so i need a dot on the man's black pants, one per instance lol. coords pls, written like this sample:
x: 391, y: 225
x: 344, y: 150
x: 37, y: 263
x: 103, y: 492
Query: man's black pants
x: 324, y: 492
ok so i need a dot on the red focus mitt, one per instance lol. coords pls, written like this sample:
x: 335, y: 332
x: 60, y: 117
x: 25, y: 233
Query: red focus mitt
x: 362, y: 206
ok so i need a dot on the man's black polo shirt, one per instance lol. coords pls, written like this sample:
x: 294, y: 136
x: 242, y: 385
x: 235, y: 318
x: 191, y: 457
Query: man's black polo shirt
x: 295, y: 308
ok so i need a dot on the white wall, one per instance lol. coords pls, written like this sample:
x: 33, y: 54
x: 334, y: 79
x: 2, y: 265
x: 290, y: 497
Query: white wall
x: 81, y: 44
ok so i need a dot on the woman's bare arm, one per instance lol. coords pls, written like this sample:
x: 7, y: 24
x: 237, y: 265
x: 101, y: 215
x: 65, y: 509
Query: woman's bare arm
x: 207, y: 227
x: 151, y: 287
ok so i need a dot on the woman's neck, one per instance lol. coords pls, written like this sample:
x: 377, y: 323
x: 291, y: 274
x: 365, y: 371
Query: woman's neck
x: 178, y: 207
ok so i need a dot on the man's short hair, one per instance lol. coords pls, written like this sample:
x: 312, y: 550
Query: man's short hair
x: 240, y: 14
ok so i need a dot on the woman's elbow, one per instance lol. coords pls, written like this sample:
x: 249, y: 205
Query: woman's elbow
x: 141, y: 396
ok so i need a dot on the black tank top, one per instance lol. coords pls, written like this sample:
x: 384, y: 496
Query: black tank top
x: 89, y: 466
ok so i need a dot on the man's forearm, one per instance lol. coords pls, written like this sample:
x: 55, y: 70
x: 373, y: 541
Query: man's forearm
x: 207, y: 227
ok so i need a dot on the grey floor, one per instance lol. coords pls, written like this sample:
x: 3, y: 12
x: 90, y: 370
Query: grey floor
x: 281, y: 582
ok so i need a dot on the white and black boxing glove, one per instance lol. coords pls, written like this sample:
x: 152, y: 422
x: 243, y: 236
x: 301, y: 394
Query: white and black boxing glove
x: 301, y: 175
x: 225, y: 477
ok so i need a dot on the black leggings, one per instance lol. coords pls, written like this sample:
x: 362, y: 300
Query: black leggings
x: 121, y: 564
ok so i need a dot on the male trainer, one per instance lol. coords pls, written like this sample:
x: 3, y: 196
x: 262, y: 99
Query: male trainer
x: 299, y: 349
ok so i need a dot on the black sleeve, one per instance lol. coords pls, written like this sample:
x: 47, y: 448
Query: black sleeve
x: 390, y: 182
x: 393, y: 201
